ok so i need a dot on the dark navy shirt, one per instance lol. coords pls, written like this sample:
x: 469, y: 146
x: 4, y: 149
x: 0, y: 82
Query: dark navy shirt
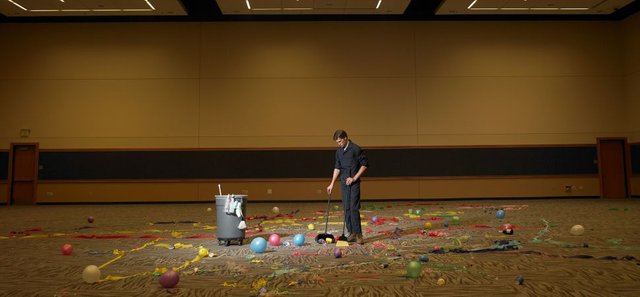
x: 350, y: 160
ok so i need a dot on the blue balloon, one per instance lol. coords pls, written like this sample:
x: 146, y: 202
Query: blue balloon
x: 298, y: 239
x: 258, y: 245
x: 446, y: 223
x: 500, y: 214
x: 424, y: 258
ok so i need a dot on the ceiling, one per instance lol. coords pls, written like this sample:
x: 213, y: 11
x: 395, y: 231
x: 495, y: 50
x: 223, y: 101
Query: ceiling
x: 21, y: 11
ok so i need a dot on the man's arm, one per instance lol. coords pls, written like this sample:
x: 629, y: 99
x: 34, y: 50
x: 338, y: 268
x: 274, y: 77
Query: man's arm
x: 336, y: 174
x: 354, y: 178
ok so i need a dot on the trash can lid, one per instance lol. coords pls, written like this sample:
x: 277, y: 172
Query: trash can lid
x: 243, y: 196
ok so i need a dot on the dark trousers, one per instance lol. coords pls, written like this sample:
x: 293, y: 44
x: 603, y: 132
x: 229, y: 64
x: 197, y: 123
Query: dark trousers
x: 351, y: 206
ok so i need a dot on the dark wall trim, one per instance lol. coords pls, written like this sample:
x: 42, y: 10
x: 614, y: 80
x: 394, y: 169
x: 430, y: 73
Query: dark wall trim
x: 315, y: 163
x: 635, y: 157
x: 4, y: 165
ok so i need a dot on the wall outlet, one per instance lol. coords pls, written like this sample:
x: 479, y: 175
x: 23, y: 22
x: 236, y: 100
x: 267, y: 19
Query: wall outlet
x: 269, y: 191
x: 49, y: 194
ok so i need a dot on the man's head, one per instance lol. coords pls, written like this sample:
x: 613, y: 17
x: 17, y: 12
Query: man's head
x: 341, y: 138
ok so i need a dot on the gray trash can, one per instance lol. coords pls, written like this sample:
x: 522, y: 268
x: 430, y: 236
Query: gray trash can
x: 228, y: 220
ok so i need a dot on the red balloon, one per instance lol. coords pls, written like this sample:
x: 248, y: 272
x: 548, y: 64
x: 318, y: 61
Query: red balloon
x: 506, y: 226
x: 169, y: 279
x: 67, y: 249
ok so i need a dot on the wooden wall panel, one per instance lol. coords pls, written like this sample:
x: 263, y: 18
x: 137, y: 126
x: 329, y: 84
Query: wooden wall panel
x: 508, y: 49
x: 100, y: 51
x: 307, y: 50
x: 507, y: 110
x: 117, y: 192
x: 101, y: 113
x: 632, y: 75
x: 635, y: 186
x: 306, y: 112
x: 315, y: 189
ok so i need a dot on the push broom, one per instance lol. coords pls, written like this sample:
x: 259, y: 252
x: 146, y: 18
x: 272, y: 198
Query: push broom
x: 326, y: 237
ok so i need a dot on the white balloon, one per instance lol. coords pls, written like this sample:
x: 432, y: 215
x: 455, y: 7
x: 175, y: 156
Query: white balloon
x: 91, y: 274
x: 577, y: 230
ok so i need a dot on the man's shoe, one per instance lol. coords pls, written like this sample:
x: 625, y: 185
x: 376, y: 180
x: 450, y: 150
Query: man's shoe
x: 352, y: 237
x: 359, y: 238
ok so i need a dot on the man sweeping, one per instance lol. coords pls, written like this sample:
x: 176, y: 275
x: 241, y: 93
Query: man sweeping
x: 351, y: 163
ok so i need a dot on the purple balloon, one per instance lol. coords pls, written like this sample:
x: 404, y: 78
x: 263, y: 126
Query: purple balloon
x: 169, y: 279
x: 337, y: 253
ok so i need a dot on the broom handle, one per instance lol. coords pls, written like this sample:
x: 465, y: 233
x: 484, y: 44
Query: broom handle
x: 327, y: 214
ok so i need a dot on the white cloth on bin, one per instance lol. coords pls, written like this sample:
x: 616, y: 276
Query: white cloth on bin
x: 233, y: 206
x: 227, y: 204
x: 239, y: 213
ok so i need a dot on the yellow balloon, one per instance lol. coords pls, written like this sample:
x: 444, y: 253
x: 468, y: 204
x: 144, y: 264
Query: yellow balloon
x: 311, y: 227
x: 202, y: 252
x: 328, y: 240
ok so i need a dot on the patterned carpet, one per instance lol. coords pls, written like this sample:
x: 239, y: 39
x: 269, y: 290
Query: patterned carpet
x: 460, y: 243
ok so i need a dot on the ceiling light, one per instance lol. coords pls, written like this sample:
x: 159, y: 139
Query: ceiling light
x: 379, y: 2
x: 149, y: 3
x: 16, y: 4
x: 298, y: 8
x: 248, y: 4
x: 470, y: 7
x: 472, y: 4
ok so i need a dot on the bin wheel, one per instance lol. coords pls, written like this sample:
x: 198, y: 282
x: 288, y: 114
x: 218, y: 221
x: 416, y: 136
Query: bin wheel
x: 221, y: 242
x: 227, y: 243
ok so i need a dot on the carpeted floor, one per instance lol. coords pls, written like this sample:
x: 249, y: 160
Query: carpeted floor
x: 133, y: 243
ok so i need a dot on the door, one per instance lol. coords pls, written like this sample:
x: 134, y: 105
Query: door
x: 23, y: 173
x: 613, y: 166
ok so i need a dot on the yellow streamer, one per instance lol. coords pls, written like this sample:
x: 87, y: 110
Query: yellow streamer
x: 182, y: 246
x: 121, y: 254
x: 235, y: 285
x: 114, y: 278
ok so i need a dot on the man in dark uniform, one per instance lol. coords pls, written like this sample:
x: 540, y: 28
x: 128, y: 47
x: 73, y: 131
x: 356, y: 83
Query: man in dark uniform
x: 351, y: 163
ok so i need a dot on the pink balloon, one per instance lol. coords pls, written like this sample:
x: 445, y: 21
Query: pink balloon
x: 274, y: 240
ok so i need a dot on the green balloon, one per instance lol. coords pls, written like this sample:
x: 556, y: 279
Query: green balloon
x: 413, y: 269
